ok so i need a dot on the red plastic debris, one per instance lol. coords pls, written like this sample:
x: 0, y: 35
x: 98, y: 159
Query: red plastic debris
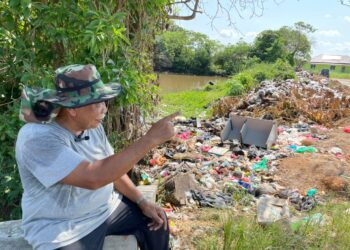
x: 205, y: 148
x: 184, y: 135
x: 346, y: 130
x: 152, y: 162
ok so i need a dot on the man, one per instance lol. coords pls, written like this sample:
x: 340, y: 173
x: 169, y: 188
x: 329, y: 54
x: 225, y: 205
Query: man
x: 76, y: 190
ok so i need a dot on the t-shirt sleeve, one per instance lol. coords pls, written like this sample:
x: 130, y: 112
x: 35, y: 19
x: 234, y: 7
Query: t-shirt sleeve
x: 49, y: 158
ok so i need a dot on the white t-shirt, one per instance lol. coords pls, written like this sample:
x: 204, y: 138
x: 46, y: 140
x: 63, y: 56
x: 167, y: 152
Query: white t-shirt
x: 55, y: 214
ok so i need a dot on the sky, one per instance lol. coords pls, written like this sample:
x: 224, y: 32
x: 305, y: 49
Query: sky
x: 330, y: 19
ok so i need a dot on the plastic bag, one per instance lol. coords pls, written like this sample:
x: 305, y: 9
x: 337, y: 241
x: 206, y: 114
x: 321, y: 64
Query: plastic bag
x: 306, y: 149
x: 261, y: 165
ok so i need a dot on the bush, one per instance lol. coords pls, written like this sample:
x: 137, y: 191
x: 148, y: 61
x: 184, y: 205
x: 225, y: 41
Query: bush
x: 10, y: 185
x: 260, y: 76
x: 282, y: 70
x: 235, y: 88
x: 246, y: 79
x: 261, y: 72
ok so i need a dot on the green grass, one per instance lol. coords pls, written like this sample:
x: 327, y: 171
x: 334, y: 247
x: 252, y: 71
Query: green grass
x: 336, y: 73
x: 243, y: 232
x: 192, y: 103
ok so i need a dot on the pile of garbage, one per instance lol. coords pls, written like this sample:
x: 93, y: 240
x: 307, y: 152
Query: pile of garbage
x: 207, y: 165
x: 197, y: 169
x: 288, y: 100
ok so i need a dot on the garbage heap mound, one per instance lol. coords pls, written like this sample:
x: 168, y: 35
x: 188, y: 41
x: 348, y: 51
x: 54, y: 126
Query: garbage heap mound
x: 307, y: 99
x: 198, y: 169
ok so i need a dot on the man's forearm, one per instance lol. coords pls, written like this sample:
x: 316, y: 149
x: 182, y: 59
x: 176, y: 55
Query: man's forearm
x: 117, y: 165
x: 127, y: 188
x: 93, y: 175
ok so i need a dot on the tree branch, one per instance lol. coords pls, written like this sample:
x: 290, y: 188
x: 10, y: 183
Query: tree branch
x: 190, y: 17
x: 240, y: 8
x: 345, y: 2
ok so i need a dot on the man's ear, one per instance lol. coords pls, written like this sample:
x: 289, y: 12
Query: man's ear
x: 72, y: 112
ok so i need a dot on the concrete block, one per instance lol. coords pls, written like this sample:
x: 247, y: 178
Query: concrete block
x: 115, y: 242
x: 11, y: 236
x: 178, y: 186
x: 11, y: 233
x: 149, y: 191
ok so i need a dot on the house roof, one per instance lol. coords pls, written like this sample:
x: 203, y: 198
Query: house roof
x: 331, y: 59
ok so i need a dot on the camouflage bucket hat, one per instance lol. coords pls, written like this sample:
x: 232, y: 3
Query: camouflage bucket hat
x: 76, y: 86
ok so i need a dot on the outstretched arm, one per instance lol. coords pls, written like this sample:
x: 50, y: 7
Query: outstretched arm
x: 93, y: 175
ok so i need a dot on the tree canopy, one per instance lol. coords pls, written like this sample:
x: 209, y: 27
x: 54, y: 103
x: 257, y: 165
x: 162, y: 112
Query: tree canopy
x: 296, y: 42
x: 182, y: 51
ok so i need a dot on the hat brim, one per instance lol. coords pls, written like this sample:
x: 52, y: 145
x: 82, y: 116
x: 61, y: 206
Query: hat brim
x: 42, y: 105
x: 107, y: 92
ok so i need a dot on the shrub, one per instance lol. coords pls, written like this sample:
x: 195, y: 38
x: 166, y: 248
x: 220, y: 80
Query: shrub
x: 235, y: 88
x: 282, y: 70
x: 261, y: 72
x: 10, y: 185
x: 246, y: 79
x: 260, y: 76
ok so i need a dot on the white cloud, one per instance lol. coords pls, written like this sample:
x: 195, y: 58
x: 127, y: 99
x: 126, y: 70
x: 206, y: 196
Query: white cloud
x: 327, y: 15
x: 341, y: 47
x: 251, y: 34
x: 328, y: 33
x: 347, y: 18
x: 333, y: 48
x: 324, y: 43
x: 229, y: 33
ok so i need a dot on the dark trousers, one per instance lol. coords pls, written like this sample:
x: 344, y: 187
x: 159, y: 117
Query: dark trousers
x: 126, y: 219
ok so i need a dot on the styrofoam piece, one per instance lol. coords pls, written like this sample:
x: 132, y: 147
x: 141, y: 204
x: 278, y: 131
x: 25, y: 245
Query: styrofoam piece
x: 218, y: 151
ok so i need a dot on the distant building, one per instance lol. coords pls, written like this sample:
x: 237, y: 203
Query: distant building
x: 332, y: 61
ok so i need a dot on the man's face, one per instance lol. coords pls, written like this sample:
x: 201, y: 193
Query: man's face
x: 90, y: 116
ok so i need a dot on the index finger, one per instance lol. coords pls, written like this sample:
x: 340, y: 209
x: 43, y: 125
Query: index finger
x: 172, y: 116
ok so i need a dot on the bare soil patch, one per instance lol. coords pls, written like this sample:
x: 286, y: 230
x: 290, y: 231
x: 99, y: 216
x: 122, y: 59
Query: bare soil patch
x: 315, y: 170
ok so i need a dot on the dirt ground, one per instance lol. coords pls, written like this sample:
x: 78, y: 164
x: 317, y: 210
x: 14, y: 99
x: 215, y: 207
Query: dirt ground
x: 343, y: 81
x: 316, y: 170
x: 194, y: 224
